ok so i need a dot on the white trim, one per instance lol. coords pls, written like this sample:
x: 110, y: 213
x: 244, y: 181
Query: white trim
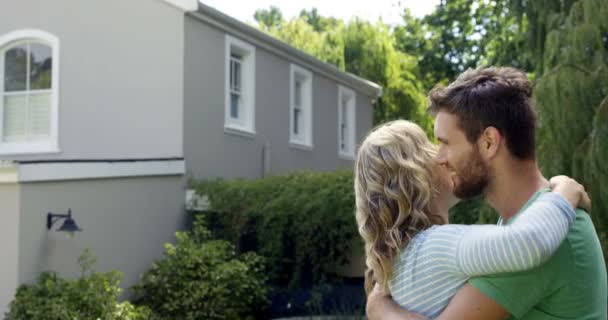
x: 352, y: 121
x: 305, y: 137
x: 8, y: 172
x: 9, y: 236
x: 59, y: 171
x: 9, y: 149
x: 239, y: 131
x: 185, y: 5
x: 246, y: 121
x: 52, y: 145
x: 346, y: 156
x: 301, y: 146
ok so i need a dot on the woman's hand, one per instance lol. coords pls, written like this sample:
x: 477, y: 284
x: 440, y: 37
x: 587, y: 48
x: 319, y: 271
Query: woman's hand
x: 573, y: 191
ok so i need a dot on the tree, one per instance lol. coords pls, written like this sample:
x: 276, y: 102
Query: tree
x: 268, y: 18
x: 568, y: 43
x: 366, y: 50
x: 369, y: 52
x: 313, y: 18
x: 462, y: 34
x: 326, y: 46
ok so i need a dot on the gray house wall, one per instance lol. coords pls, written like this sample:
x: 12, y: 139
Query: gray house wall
x: 212, y: 152
x: 139, y: 79
x: 208, y: 150
x: 121, y: 64
x: 125, y: 221
x: 120, y: 97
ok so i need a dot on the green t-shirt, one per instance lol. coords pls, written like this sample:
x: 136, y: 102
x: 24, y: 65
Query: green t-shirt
x: 570, y: 285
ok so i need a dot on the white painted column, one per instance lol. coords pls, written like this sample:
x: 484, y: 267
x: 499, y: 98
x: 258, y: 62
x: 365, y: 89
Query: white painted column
x: 9, y: 243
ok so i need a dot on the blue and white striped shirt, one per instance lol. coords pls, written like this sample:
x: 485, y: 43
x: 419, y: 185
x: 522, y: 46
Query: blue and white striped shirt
x: 439, y: 260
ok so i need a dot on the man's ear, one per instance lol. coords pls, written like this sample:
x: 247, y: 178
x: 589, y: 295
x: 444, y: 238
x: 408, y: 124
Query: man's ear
x: 489, y: 142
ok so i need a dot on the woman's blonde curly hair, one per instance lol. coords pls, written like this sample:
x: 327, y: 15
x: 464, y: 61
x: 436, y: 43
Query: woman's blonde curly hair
x: 394, y: 185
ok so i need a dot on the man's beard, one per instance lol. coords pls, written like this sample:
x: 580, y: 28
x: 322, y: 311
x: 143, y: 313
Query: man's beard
x: 473, y: 178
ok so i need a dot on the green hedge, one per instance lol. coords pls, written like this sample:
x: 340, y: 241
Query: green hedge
x: 203, y: 278
x: 92, y: 296
x: 474, y: 211
x: 199, y: 278
x: 303, y: 222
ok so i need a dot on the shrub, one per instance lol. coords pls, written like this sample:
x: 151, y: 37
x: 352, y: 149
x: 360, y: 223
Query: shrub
x: 93, y: 296
x: 303, y: 222
x: 201, y: 278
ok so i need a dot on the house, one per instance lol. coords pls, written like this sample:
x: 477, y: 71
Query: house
x: 107, y: 108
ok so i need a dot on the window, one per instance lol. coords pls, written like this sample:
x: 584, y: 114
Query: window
x: 240, y: 86
x: 300, y: 115
x: 28, y: 92
x: 346, y: 122
x: 236, y: 92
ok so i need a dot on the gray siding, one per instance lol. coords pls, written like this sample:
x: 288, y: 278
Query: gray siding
x: 9, y: 241
x: 207, y: 149
x: 125, y: 222
x: 212, y: 152
x: 121, y: 64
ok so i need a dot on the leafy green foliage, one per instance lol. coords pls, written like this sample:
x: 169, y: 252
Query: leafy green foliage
x: 564, y: 44
x: 473, y: 211
x: 364, y: 49
x: 462, y: 34
x: 318, y: 22
x: 93, y: 296
x: 326, y: 46
x: 303, y: 223
x: 370, y: 52
x: 201, y: 278
x: 268, y: 19
x: 568, y: 43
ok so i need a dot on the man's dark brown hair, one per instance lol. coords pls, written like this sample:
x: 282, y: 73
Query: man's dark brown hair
x: 491, y: 97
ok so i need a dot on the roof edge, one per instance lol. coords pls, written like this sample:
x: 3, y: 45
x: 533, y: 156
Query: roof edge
x: 259, y: 38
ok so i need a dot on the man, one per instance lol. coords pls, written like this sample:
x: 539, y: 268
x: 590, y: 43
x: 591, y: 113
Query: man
x: 485, y: 124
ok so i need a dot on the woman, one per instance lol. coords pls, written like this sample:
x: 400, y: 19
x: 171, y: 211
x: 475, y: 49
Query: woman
x: 402, y: 200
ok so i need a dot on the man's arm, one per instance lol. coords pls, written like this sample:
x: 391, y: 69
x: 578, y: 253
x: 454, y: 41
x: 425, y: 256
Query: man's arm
x: 380, y: 306
x: 468, y: 304
x: 471, y: 304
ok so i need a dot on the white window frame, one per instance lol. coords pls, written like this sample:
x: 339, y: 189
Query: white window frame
x: 304, y: 136
x: 245, y: 124
x: 52, y: 144
x: 351, y: 129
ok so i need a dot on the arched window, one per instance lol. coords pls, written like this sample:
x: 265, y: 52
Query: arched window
x: 28, y: 92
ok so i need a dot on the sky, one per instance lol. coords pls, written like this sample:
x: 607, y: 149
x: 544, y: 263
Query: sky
x: 389, y: 10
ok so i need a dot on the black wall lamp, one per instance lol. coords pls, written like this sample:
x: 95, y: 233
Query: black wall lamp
x: 69, y: 225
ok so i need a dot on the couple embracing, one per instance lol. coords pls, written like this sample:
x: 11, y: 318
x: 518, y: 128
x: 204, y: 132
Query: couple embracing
x: 542, y: 260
